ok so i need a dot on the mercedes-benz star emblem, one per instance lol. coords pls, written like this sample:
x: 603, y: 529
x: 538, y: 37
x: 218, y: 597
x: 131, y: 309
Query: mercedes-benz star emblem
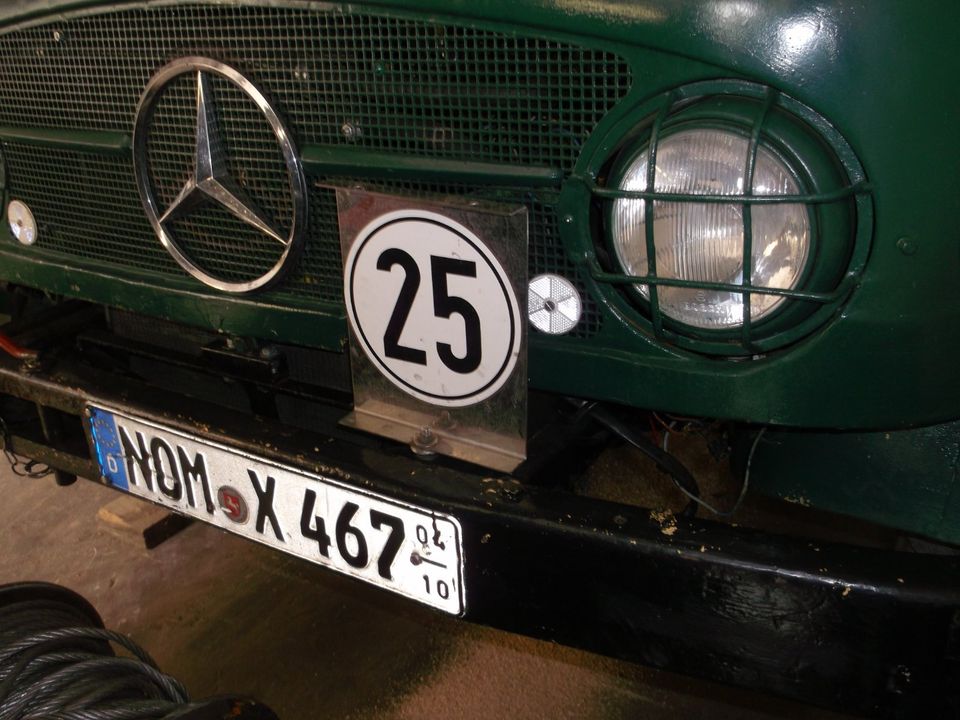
x: 210, y: 180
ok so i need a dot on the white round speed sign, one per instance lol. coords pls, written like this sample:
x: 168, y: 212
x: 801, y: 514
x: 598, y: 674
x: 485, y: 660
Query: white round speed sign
x: 432, y: 307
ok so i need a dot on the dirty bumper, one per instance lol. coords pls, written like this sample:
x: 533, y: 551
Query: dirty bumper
x: 855, y: 629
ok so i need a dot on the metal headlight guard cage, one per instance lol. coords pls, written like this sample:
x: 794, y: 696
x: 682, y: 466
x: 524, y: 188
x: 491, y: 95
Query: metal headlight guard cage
x: 853, y: 189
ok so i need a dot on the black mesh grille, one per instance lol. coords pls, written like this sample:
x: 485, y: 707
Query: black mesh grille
x: 408, y: 86
x: 87, y: 206
x: 339, y: 78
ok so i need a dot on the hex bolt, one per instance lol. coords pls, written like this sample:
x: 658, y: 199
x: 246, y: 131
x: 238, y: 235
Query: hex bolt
x: 425, y: 438
x: 350, y: 131
x: 269, y: 352
x: 424, y: 442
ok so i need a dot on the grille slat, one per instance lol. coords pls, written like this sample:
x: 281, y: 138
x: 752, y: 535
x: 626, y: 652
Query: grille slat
x: 427, y: 89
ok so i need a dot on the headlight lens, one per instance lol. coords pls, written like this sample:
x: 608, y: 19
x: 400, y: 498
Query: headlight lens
x: 703, y: 242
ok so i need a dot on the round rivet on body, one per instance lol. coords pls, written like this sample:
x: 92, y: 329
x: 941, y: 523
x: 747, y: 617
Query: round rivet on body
x: 907, y: 246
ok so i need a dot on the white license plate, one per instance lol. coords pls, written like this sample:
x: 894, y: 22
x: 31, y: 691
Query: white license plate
x: 394, y: 545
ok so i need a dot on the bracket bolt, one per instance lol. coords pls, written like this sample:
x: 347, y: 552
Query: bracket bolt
x: 424, y: 442
x: 425, y: 437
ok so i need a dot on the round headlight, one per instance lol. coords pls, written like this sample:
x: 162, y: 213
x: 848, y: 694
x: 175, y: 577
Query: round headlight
x: 703, y: 242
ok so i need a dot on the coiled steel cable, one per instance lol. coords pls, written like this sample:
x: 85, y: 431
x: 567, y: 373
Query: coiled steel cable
x: 57, y: 664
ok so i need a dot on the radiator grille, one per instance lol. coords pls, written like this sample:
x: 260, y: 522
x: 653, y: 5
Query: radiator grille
x: 88, y: 208
x: 408, y: 86
x: 382, y: 83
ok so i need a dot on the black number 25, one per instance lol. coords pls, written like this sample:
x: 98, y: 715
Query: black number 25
x: 444, y: 305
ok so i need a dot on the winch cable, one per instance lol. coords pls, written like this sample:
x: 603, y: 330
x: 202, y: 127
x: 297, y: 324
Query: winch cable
x: 57, y: 662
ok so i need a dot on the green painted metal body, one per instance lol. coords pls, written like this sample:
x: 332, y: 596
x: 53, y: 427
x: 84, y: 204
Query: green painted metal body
x: 908, y: 479
x: 878, y: 70
x: 83, y: 140
x: 874, y: 69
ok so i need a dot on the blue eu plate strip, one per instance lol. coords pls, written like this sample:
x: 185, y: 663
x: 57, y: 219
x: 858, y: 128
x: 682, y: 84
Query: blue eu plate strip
x: 109, y: 453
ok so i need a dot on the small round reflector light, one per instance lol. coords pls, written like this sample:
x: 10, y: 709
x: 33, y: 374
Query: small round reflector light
x: 22, y: 224
x: 553, y: 304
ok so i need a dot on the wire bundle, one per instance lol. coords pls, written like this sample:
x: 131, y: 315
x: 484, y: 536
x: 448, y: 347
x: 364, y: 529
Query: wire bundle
x: 21, y: 467
x: 57, y: 664
x: 682, y: 478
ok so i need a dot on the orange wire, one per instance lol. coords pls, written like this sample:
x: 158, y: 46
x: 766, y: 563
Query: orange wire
x: 17, y: 351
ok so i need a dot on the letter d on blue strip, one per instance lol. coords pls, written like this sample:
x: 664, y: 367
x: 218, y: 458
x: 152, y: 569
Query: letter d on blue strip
x: 109, y: 452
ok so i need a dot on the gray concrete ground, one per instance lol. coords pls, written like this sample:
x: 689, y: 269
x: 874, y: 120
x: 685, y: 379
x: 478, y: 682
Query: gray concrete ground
x: 223, y: 614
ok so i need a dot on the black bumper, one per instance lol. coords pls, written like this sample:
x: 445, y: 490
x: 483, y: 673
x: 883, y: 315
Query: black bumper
x: 861, y: 630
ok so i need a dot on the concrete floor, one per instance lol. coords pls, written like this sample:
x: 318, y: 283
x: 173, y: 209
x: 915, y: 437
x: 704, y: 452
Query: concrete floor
x: 223, y: 614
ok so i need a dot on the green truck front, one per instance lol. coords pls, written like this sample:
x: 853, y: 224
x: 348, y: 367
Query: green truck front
x: 733, y: 211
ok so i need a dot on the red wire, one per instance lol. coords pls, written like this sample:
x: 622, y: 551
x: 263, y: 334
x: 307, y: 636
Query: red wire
x: 17, y: 351
x: 653, y: 431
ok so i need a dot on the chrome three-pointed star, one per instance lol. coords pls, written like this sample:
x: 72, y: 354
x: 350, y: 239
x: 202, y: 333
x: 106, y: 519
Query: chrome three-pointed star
x: 211, y: 180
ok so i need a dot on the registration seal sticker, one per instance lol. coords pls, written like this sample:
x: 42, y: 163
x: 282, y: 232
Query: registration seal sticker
x: 432, y: 307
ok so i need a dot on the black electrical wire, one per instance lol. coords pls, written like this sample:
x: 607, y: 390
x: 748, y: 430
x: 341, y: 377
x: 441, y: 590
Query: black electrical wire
x: 27, y: 468
x: 21, y: 467
x: 56, y: 664
x: 681, y: 476
x: 677, y: 471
